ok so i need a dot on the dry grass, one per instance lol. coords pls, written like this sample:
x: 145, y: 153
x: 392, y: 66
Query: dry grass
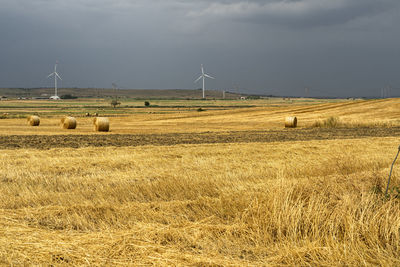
x: 301, y: 203
x: 336, y: 122
x: 290, y: 203
x: 363, y: 113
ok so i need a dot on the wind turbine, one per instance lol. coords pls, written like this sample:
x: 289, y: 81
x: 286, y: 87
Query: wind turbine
x: 203, y: 76
x: 115, y: 87
x: 55, y: 97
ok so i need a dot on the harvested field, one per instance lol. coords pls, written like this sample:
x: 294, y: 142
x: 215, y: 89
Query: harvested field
x: 120, y: 140
x: 263, y: 117
x: 222, y: 187
x: 251, y: 204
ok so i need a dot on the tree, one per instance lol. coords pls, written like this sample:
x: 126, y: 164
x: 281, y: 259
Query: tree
x: 115, y: 103
x: 68, y: 97
x: 146, y: 103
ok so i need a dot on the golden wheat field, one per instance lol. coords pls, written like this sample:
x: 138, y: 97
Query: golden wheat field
x: 242, y: 199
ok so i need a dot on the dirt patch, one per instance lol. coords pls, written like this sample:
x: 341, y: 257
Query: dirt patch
x: 120, y: 140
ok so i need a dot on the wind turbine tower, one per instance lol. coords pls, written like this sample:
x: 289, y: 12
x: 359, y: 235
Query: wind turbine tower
x: 55, y: 74
x: 115, y: 87
x: 203, y: 76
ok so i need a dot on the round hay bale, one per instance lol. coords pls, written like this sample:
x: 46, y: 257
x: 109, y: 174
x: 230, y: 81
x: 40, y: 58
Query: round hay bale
x: 101, y: 124
x: 68, y: 122
x: 96, y: 114
x: 33, y: 120
x: 87, y: 114
x: 290, y: 122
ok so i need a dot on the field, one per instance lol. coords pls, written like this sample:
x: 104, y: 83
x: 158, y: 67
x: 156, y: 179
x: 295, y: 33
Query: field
x: 227, y: 186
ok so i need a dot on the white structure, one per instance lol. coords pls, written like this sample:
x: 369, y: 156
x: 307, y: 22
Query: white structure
x: 203, y: 76
x: 55, y: 96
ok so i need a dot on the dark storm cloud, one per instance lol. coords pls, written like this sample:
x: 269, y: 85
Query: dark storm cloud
x: 335, y: 47
x: 295, y: 12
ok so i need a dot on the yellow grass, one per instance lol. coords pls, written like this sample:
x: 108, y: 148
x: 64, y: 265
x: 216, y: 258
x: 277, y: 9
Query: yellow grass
x: 299, y: 203
x: 382, y: 113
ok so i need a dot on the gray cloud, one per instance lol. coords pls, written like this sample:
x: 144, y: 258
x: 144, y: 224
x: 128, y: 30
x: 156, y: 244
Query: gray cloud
x: 340, y: 47
x: 294, y: 12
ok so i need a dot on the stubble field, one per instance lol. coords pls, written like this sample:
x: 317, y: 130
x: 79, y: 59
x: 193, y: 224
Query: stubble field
x: 224, y: 187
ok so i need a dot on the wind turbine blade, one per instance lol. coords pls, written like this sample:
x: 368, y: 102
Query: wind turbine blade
x: 58, y: 76
x: 208, y: 76
x: 51, y: 74
x: 198, y: 79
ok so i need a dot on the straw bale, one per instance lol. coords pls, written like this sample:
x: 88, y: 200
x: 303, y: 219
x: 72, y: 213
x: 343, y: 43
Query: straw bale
x: 68, y: 122
x: 291, y: 122
x: 33, y: 120
x: 101, y: 124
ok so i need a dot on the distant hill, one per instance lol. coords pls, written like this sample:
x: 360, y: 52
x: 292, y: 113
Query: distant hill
x: 124, y: 93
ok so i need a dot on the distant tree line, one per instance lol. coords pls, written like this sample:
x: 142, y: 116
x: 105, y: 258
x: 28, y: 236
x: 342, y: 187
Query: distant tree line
x: 68, y: 96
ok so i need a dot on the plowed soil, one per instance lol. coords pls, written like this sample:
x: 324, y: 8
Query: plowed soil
x: 120, y: 140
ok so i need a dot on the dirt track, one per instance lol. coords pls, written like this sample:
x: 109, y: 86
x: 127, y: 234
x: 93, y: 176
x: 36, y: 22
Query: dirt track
x: 75, y: 141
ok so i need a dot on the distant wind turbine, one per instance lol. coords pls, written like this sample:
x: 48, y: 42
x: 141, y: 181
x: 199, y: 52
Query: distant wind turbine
x: 55, y: 81
x: 203, y: 76
x: 115, y: 87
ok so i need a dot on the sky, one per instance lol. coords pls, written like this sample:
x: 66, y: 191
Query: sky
x: 337, y: 48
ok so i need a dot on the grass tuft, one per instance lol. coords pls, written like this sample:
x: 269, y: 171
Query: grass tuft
x: 331, y: 122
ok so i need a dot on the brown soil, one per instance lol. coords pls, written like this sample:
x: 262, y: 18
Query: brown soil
x: 75, y: 141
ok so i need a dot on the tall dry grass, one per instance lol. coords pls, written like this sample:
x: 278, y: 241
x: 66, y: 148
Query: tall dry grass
x: 337, y: 122
x: 301, y: 203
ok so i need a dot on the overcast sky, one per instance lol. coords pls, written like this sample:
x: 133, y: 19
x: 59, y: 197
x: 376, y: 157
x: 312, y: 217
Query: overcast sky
x: 334, y: 47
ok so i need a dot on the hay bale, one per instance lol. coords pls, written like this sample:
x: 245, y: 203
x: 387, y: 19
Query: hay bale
x: 68, y: 122
x: 290, y: 122
x: 33, y: 120
x: 96, y: 114
x: 101, y: 124
x: 87, y: 114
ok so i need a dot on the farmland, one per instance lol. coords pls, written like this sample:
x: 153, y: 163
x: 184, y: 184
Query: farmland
x: 226, y: 186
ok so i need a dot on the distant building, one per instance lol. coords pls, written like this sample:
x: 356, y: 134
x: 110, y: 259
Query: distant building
x: 3, y: 97
x: 243, y: 98
x: 54, y: 97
